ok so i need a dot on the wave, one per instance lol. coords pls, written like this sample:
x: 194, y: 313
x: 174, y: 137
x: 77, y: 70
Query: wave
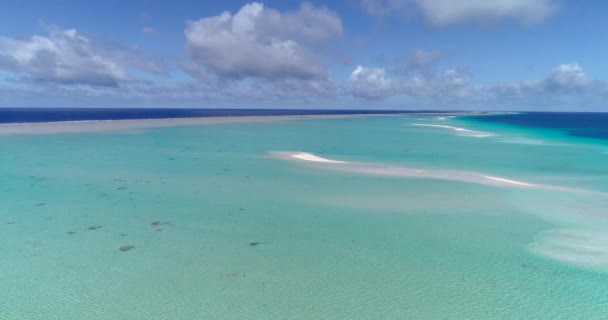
x: 580, y: 247
x: 400, y: 171
x: 460, y: 131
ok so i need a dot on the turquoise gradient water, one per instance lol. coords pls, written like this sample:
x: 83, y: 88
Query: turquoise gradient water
x: 223, y: 231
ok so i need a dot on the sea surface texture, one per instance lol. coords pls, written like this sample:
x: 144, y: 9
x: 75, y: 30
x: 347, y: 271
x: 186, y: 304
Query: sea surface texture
x: 376, y: 217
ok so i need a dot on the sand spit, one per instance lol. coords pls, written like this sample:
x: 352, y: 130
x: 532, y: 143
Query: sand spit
x: 311, y: 157
x: 64, y: 127
x: 519, y: 183
x: 399, y: 171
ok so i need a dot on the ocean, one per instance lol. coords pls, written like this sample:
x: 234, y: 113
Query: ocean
x: 580, y: 124
x: 408, y: 216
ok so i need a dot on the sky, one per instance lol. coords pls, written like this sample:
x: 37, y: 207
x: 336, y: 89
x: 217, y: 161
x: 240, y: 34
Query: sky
x: 545, y: 55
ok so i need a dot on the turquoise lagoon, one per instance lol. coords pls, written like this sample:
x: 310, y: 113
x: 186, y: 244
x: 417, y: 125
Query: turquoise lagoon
x: 222, y: 229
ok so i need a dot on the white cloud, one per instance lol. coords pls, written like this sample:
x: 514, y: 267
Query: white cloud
x: 369, y: 83
x: 260, y: 42
x: 568, y: 76
x: 567, y: 80
x: 447, y: 12
x: 67, y: 57
x: 373, y: 83
x: 309, y: 24
x: 565, y: 85
x: 451, y: 89
x: 64, y: 56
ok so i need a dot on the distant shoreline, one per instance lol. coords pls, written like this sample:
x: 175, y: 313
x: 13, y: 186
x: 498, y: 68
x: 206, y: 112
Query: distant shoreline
x: 35, y: 115
x: 91, y: 126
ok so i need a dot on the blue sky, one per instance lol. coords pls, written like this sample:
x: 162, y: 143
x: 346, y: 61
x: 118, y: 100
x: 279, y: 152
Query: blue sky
x: 372, y: 54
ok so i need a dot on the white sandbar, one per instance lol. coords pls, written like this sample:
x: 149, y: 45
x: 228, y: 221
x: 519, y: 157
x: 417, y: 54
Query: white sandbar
x: 311, y: 157
x: 400, y: 171
x: 64, y: 127
x: 519, y: 183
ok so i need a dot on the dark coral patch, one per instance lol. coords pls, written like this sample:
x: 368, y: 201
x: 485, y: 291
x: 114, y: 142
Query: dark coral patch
x: 127, y: 248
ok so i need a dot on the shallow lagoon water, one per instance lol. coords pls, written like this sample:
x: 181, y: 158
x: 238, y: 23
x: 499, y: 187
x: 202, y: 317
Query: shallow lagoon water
x: 329, y: 244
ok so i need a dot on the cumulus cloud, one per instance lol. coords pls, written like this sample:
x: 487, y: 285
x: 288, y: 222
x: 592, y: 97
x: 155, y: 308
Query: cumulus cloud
x: 373, y: 83
x: 416, y: 78
x: 568, y: 77
x: 64, y: 56
x: 566, y: 85
x: 67, y: 57
x: 263, y: 43
x: 566, y: 80
x: 369, y: 83
x: 447, y: 12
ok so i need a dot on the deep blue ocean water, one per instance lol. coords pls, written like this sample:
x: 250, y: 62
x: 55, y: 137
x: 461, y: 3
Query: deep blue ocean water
x: 587, y: 124
x: 20, y: 115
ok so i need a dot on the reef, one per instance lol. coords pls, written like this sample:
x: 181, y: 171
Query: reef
x: 127, y: 248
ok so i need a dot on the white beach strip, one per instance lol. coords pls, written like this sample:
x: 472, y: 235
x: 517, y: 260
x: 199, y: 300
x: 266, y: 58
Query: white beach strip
x: 380, y: 169
x: 64, y: 127
x: 311, y: 157
x: 519, y: 183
